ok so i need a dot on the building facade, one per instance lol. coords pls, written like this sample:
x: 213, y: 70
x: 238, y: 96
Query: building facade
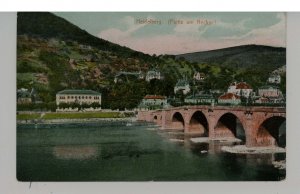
x: 270, y: 91
x: 274, y: 78
x: 198, y: 76
x: 182, y: 85
x: 153, y: 102
x: 240, y: 89
x: 229, y: 98
x: 199, y: 99
x: 78, y: 96
x: 270, y: 94
x: 23, y: 96
x: 154, y: 74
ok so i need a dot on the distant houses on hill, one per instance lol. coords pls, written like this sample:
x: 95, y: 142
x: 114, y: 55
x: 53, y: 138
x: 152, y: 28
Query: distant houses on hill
x: 123, y: 75
x: 240, y: 89
x: 274, y: 78
x: 148, y: 76
x: 24, y: 96
x: 265, y: 95
x: 154, y: 74
x: 187, y: 92
x: 183, y: 86
x: 198, y: 76
x: 270, y: 94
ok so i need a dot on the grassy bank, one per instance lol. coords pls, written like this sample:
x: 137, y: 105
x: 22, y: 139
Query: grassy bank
x: 81, y: 115
x: 28, y: 116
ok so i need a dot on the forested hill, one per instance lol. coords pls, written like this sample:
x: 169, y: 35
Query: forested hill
x: 47, y: 25
x: 245, y: 56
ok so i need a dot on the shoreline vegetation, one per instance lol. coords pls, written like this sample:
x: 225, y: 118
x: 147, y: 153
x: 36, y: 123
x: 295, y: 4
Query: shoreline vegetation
x: 54, y: 117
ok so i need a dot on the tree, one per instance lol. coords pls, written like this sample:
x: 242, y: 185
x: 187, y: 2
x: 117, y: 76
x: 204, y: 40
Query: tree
x: 63, y: 105
x: 52, y: 106
x: 95, y: 105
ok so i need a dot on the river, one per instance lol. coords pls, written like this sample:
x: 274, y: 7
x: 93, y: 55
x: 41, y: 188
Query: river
x: 116, y: 151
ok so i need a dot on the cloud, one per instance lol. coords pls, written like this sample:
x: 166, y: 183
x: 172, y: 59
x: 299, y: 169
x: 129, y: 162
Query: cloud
x: 274, y: 35
x: 118, y: 36
x: 185, y: 38
x: 226, y: 29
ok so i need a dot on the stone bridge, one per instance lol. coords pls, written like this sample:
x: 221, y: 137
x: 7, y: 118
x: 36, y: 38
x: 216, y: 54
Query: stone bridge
x: 260, y: 124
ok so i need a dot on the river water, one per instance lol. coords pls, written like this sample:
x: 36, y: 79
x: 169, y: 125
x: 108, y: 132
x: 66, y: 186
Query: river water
x: 117, y: 151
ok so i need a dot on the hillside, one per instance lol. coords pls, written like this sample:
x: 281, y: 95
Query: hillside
x: 47, y: 25
x: 53, y: 54
x: 246, y: 56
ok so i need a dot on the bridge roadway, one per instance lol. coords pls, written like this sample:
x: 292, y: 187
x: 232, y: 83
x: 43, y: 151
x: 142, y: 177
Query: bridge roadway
x: 260, y: 124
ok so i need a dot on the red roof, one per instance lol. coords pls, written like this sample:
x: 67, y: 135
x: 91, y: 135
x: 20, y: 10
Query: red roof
x: 243, y: 85
x: 264, y: 99
x: 229, y: 96
x: 154, y: 97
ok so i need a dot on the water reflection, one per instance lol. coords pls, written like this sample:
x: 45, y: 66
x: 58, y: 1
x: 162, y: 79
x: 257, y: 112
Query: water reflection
x: 214, y: 148
x: 80, y: 152
x: 132, y: 153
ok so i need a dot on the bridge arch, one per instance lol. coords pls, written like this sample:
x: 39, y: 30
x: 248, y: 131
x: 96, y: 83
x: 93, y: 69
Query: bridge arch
x: 155, y: 118
x: 177, y: 121
x: 229, y: 125
x: 198, y: 123
x: 272, y: 132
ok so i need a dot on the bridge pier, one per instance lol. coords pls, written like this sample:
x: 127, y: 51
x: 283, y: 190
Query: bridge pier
x: 250, y: 133
x: 261, y: 124
x: 211, y: 126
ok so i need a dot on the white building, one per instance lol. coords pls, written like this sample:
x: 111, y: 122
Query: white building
x: 24, y: 96
x: 274, y: 79
x: 78, y: 96
x: 182, y: 85
x: 153, y: 102
x: 199, y: 76
x: 270, y: 94
x: 240, y: 89
x: 270, y: 91
x: 154, y: 74
x: 200, y: 99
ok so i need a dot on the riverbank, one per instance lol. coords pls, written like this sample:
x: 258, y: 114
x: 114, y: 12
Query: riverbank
x: 88, y: 120
x: 81, y: 117
x: 242, y: 149
x: 221, y: 139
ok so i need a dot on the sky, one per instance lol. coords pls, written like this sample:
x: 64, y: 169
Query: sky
x: 182, y: 32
